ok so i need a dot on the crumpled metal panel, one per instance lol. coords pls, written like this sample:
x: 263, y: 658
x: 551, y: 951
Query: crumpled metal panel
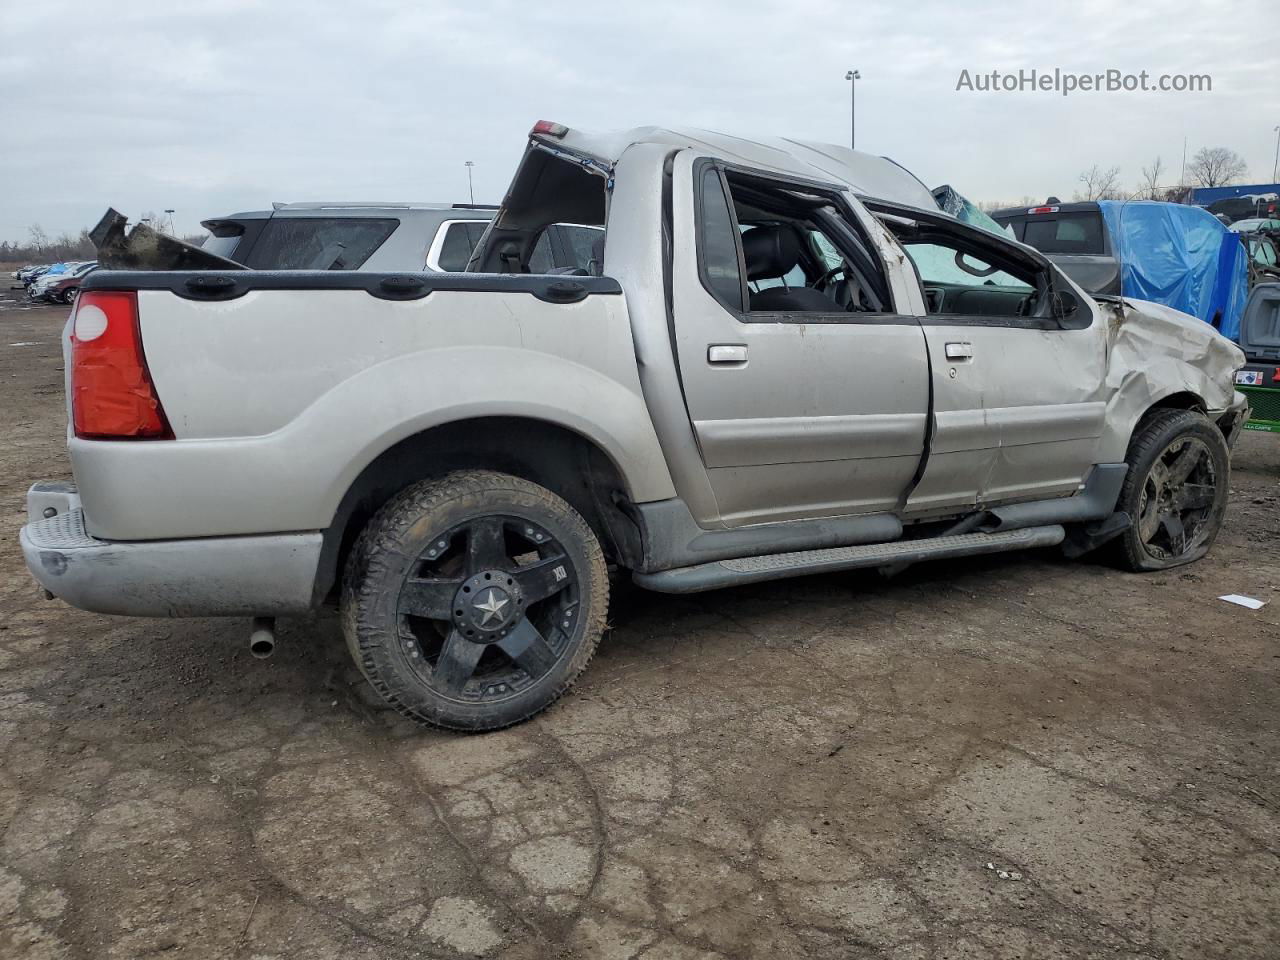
x: 1154, y: 352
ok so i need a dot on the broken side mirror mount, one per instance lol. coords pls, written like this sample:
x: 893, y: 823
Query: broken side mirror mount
x: 1064, y: 305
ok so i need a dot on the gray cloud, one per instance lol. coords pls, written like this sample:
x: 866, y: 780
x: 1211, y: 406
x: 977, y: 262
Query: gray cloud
x: 225, y: 106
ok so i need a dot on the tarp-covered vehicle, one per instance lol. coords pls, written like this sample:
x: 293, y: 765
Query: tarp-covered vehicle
x: 1168, y: 253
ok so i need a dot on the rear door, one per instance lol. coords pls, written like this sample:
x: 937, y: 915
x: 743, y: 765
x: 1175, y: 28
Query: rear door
x: 800, y: 410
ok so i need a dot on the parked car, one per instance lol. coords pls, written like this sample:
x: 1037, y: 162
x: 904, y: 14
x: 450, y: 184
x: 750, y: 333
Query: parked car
x: 67, y: 288
x: 1256, y: 225
x: 61, y: 287
x: 1264, y: 258
x: 24, y: 274
x: 1259, y: 380
x: 1167, y: 253
x: 380, y: 237
x: 44, y: 271
x: 1252, y: 205
x: 1074, y: 236
x: 788, y: 360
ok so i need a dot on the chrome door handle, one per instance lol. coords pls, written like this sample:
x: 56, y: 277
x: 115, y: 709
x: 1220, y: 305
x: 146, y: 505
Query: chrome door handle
x: 727, y: 353
x: 959, y: 351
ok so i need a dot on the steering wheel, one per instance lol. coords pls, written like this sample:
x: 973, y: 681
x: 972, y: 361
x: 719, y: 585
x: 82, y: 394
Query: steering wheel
x: 960, y: 262
x: 822, y: 282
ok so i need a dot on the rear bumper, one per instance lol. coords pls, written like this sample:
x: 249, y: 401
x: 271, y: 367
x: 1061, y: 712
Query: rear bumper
x: 209, y: 577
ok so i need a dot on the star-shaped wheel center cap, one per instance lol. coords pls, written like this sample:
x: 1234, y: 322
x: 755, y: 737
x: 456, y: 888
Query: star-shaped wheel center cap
x: 492, y: 607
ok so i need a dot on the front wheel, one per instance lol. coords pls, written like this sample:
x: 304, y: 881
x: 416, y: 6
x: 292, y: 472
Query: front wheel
x: 474, y: 601
x: 1176, y: 491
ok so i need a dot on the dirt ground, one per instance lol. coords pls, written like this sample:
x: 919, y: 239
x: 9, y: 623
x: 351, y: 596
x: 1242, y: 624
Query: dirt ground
x: 1016, y: 756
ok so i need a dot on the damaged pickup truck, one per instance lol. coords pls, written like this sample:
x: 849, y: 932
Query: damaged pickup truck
x: 787, y: 360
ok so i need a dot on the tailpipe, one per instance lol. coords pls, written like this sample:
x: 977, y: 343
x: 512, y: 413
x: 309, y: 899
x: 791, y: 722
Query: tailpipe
x: 262, y: 640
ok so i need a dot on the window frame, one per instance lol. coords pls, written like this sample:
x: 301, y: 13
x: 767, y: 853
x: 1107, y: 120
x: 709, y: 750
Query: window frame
x: 436, y: 247
x: 834, y: 193
x: 1049, y: 279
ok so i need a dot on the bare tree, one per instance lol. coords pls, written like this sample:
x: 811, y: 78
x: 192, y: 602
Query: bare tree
x: 1099, y: 184
x: 39, y: 239
x: 1217, y: 166
x: 1149, y: 189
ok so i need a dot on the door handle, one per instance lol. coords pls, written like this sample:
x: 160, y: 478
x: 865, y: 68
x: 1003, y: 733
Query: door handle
x: 727, y: 353
x: 959, y: 351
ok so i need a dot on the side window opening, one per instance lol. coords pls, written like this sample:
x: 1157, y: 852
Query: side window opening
x: 960, y: 277
x: 460, y: 239
x: 774, y: 249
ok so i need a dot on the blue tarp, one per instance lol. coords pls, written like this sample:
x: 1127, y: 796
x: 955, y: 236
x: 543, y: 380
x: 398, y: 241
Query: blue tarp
x: 1180, y: 256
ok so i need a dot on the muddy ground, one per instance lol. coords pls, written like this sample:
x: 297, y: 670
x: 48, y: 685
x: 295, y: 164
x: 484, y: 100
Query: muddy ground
x: 1015, y: 756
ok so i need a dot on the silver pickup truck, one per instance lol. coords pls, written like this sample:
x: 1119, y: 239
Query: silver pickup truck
x: 789, y: 360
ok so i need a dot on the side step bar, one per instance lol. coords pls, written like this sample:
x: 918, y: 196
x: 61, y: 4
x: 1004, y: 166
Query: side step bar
x: 728, y: 573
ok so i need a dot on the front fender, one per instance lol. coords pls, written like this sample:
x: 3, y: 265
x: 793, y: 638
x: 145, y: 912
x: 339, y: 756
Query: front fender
x: 1155, y: 352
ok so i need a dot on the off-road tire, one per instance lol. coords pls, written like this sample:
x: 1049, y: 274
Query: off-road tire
x: 389, y: 552
x: 1152, y: 445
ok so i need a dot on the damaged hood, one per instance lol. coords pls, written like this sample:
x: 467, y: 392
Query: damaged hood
x: 145, y: 249
x: 1155, y: 351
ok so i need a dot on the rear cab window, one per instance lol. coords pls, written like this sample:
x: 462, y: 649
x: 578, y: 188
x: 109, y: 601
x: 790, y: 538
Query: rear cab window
x: 1077, y: 232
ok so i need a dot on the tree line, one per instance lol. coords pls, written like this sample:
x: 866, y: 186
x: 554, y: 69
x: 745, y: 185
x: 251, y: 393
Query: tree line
x: 1210, y: 167
x: 40, y: 247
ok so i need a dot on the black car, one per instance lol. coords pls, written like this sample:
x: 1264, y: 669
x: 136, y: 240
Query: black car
x: 1239, y: 208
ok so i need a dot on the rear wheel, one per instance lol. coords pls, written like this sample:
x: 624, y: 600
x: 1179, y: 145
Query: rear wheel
x: 1176, y: 490
x: 474, y: 601
x: 70, y: 295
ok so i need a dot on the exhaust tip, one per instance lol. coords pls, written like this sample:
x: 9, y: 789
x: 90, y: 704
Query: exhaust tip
x: 262, y: 640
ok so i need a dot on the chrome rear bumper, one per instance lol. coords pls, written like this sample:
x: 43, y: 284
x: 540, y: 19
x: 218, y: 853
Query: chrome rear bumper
x: 267, y: 575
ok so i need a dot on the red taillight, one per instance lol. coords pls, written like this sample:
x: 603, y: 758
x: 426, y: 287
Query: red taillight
x: 545, y: 128
x: 112, y: 396
x: 1043, y: 210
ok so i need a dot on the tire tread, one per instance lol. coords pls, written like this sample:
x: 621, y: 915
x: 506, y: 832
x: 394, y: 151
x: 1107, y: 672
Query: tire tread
x: 366, y: 573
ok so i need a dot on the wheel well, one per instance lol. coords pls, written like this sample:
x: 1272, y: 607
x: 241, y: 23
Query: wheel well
x: 552, y: 456
x: 1185, y: 401
x: 1177, y: 401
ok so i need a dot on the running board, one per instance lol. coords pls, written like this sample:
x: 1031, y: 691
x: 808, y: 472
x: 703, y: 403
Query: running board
x: 728, y: 573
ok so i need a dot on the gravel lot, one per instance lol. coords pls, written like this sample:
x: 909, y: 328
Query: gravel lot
x: 1014, y: 756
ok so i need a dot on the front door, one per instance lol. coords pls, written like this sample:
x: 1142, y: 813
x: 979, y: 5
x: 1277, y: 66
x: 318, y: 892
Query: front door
x: 1018, y: 394
x: 808, y: 392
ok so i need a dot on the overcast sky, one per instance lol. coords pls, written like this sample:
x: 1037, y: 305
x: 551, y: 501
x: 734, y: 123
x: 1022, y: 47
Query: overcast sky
x: 226, y: 106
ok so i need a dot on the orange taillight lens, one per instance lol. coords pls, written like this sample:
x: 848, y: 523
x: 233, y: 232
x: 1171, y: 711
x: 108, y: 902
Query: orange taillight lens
x: 112, y: 396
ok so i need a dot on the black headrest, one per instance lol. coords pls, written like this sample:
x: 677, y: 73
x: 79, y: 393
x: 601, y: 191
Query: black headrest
x: 770, y: 251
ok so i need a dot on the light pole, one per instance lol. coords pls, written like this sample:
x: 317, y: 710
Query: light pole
x: 470, y: 190
x: 853, y: 76
x: 169, y: 215
x: 1275, y: 170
